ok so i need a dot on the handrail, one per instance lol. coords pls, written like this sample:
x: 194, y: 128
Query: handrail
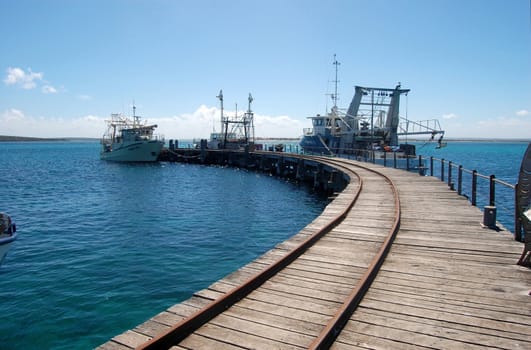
x: 446, y: 174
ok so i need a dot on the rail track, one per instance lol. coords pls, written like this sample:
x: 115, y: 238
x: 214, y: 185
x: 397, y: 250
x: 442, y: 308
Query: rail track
x: 350, y: 235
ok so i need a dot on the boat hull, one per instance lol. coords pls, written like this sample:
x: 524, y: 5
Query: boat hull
x: 147, y: 151
x: 5, y: 243
x: 319, y: 144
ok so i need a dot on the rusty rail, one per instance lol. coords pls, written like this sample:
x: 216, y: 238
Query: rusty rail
x: 334, y: 326
x: 184, y: 328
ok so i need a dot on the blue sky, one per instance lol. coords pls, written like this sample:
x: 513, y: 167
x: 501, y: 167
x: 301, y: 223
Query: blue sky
x: 66, y: 65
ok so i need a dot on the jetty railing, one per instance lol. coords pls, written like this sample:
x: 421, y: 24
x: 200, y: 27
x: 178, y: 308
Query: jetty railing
x: 484, y: 191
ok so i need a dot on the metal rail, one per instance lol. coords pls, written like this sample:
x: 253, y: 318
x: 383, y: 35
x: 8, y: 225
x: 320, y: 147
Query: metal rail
x: 336, y: 324
x: 187, y: 326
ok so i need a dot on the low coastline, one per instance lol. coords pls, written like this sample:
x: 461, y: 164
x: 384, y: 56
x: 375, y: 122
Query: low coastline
x: 6, y: 138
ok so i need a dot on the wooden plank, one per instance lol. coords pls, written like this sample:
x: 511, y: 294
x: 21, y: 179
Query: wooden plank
x: 440, y: 340
x: 243, y: 338
x: 131, y: 339
x: 440, y: 312
x: 447, y: 282
x: 197, y: 341
x: 383, y: 317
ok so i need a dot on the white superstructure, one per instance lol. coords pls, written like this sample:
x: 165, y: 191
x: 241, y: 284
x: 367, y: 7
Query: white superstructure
x: 129, y: 141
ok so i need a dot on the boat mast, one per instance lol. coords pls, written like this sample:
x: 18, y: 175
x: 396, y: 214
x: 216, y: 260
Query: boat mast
x: 136, y: 121
x: 249, y: 121
x: 224, y: 123
x: 334, y: 96
x: 220, y: 97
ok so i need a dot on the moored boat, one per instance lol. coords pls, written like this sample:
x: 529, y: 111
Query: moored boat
x: 8, y: 234
x: 371, y: 123
x: 129, y: 140
x: 237, y: 132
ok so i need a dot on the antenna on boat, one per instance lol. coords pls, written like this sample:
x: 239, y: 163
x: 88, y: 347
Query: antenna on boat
x: 135, y: 118
x: 334, y: 96
x: 220, y: 97
x: 250, y: 99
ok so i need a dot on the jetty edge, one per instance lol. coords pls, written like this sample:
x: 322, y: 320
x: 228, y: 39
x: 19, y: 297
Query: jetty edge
x: 448, y: 228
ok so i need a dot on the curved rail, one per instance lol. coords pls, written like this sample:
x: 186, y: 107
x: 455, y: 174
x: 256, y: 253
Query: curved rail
x: 184, y: 328
x: 334, y: 326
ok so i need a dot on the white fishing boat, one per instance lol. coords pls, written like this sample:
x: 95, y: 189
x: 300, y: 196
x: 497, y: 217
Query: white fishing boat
x: 371, y: 123
x: 129, y: 140
x: 8, y: 234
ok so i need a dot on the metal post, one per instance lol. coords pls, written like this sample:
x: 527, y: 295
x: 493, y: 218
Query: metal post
x: 474, y: 185
x: 421, y: 166
x: 442, y: 169
x: 394, y: 160
x: 450, y: 174
x: 492, y: 197
x: 431, y: 166
x: 385, y: 158
x: 517, y: 222
x: 460, y: 180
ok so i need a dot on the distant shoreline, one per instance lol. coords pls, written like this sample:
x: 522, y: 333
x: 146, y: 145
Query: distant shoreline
x: 5, y: 138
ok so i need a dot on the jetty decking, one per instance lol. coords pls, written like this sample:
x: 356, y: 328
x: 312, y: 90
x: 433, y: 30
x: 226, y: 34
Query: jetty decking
x: 446, y: 282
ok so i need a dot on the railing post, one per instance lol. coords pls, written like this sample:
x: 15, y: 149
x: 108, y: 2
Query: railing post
x: 431, y: 166
x: 385, y: 158
x: 394, y: 160
x: 460, y: 180
x: 517, y: 223
x: 450, y: 175
x: 407, y: 163
x: 492, y: 197
x: 421, y: 166
x: 373, y: 156
x: 442, y: 169
x: 474, y: 186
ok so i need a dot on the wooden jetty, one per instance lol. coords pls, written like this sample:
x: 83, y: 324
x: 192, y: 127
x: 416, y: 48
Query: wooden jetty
x: 395, y: 261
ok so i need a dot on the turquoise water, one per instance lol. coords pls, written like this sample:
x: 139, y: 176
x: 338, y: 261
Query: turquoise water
x: 103, y: 246
x: 502, y: 159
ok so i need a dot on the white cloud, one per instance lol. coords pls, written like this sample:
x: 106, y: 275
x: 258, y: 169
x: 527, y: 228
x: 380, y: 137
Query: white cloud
x: 501, y: 127
x: 204, y: 120
x: 198, y: 124
x: 48, y: 89
x: 84, y: 97
x: 278, y: 126
x: 522, y: 113
x: 26, y: 80
x: 12, y: 114
x: 450, y: 116
x: 15, y: 123
x: 201, y: 122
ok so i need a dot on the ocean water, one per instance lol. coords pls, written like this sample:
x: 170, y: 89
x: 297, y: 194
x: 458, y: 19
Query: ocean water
x: 102, y: 246
x: 501, y: 159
